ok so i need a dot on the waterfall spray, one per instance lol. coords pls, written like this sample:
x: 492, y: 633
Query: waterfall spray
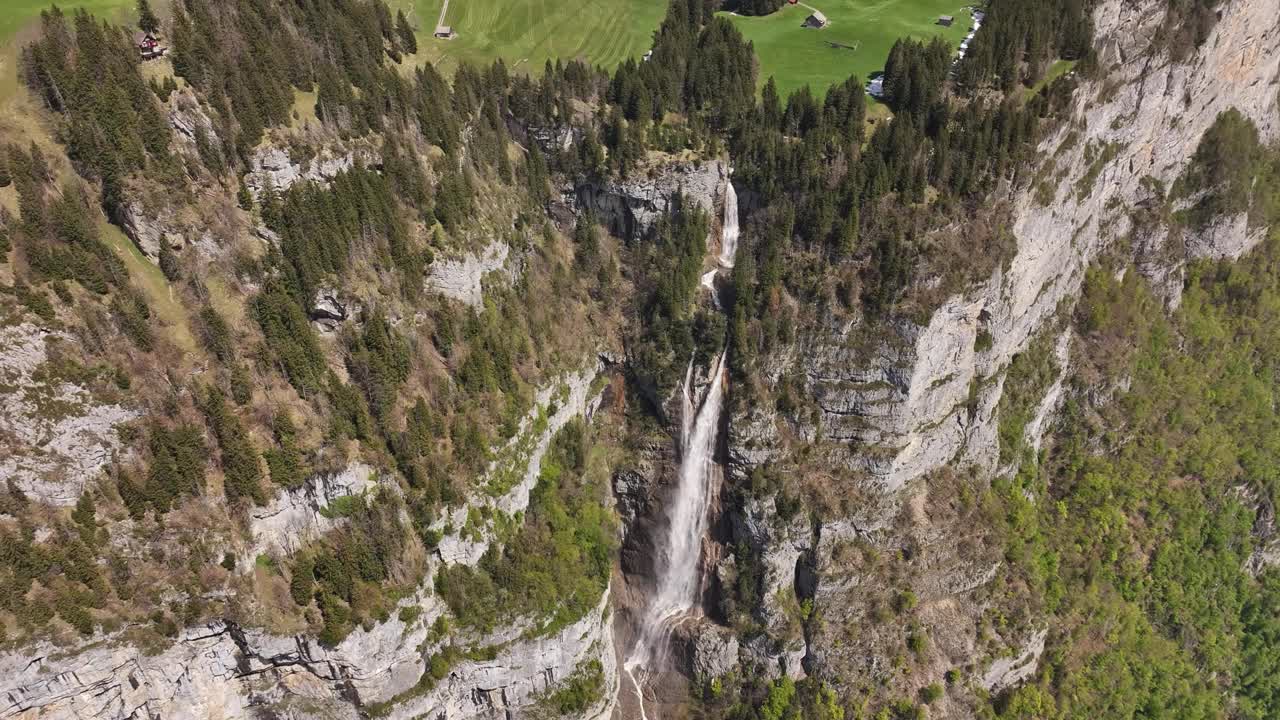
x: 679, y: 583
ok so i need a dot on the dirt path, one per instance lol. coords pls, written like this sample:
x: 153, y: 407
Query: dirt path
x: 443, y: 10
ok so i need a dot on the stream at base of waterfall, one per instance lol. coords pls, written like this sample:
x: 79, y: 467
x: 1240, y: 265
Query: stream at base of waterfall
x: 679, y: 587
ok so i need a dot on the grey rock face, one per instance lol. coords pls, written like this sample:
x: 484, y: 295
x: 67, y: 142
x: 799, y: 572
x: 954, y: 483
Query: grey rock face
x: 272, y: 167
x: 1009, y: 671
x: 204, y: 674
x: 553, y: 139
x: 919, y: 396
x: 631, y: 207
x: 147, y: 228
x: 906, y: 403
x: 462, y: 278
x: 780, y: 546
x: 631, y: 488
x: 329, y: 309
x: 224, y: 671
x: 714, y: 651
x: 55, y: 437
x: 520, y: 460
x: 297, y: 516
x: 189, y: 121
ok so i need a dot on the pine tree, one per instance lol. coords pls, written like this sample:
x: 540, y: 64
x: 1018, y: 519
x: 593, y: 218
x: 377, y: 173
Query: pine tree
x: 408, y: 39
x: 244, y: 198
x: 303, y: 582
x: 242, y: 471
x: 86, y: 516
x: 147, y: 20
x: 169, y: 261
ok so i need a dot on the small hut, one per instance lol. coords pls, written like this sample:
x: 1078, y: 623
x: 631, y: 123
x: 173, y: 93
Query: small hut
x: 946, y: 20
x: 816, y: 20
x: 444, y: 32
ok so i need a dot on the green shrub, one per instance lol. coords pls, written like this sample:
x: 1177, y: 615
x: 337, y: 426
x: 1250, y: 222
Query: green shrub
x: 303, y: 580
x: 409, y: 613
x: 577, y: 693
x: 931, y: 693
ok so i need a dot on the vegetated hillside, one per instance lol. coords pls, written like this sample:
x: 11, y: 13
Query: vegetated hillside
x: 338, y: 429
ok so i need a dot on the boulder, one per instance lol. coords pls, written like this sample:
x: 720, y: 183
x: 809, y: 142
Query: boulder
x: 714, y: 651
x: 329, y: 309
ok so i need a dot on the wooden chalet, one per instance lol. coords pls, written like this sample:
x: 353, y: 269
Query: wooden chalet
x: 149, y: 46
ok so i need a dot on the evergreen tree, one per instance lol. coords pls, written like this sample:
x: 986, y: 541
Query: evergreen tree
x: 408, y: 39
x: 241, y: 465
x: 147, y: 20
x: 169, y: 261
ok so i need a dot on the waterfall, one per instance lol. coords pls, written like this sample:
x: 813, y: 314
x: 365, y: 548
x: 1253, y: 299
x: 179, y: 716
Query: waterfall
x: 678, y: 592
x: 729, y: 235
x: 679, y: 583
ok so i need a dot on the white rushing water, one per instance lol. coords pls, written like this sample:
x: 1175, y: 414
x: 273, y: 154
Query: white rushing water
x: 729, y: 235
x: 679, y: 583
x: 728, y: 243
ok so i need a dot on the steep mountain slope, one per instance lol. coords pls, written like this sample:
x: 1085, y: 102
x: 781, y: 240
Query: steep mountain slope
x: 379, y: 409
x: 912, y: 413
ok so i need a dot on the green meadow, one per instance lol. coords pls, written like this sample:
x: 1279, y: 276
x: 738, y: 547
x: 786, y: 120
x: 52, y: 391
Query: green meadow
x: 15, y: 14
x: 856, y: 40
x: 526, y: 33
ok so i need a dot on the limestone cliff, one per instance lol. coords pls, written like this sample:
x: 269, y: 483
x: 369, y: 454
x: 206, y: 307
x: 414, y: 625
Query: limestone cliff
x: 923, y: 395
x: 631, y: 206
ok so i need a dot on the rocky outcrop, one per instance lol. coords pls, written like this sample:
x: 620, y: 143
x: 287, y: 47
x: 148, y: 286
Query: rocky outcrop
x: 778, y: 546
x: 191, y: 124
x: 462, y: 278
x: 900, y: 404
x: 1009, y: 671
x: 55, y: 435
x: 631, y: 207
x: 713, y: 652
x: 924, y: 394
x: 272, y: 166
x: 299, y: 515
x: 330, y: 309
x: 148, y: 228
x: 507, y: 685
x: 511, y: 476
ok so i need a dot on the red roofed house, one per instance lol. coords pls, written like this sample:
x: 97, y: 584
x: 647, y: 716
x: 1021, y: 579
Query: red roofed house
x: 148, y: 45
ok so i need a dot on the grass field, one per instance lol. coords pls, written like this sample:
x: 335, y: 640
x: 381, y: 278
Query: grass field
x: 172, y: 317
x: 526, y: 33
x: 797, y: 56
x: 17, y: 13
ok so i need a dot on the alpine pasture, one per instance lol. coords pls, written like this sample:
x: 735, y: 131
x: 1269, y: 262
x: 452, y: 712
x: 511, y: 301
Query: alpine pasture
x: 855, y: 41
x: 16, y: 14
x: 527, y: 33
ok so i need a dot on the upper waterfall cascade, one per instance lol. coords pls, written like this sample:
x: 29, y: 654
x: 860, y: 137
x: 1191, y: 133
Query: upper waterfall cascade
x: 729, y: 234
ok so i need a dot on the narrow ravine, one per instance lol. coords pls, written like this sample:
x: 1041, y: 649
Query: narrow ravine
x: 678, y: 591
